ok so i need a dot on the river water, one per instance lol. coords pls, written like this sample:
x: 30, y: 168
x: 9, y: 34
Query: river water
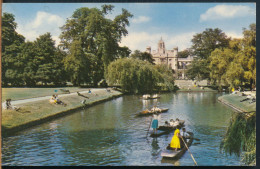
x: 109, y: 134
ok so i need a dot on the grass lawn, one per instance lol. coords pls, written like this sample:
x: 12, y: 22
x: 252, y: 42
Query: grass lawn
x: 234, y: 100
x: 39, y: 110
x: 27, y: 93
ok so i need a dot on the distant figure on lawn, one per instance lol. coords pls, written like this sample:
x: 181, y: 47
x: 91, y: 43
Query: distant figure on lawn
x: 56, y: 100
x: 7, y: 105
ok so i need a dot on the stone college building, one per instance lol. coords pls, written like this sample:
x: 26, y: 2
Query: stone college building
x: 170, y: 57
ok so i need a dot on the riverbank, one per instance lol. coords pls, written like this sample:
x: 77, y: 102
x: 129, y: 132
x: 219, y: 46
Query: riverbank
x: 41, y: 110
x: 196, y: 89
x: 238, y: 101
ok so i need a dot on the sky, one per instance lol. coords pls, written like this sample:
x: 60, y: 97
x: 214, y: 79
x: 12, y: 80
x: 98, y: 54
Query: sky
x: 175, y: 23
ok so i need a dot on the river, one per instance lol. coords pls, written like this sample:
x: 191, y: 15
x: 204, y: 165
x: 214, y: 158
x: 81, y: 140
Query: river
x: 109, y: 134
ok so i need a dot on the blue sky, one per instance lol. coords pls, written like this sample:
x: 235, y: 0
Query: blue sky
x: 176, y: 23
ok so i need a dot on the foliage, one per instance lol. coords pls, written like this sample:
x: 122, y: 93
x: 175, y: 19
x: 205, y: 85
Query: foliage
x: 207, y: 41
x: 167, y: 79
x: 11, y: 46
x: 235, y: 65
x: 241, y: 137
x: 198, y: 69
x: 26, y: 63
x: 202, y: 45
x: 185, y: 53
x: 137, y: 54
x: 98, y: 37
x: 137, y: 76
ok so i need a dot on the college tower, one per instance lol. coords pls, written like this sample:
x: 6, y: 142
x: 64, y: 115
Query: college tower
x: 170, y: 57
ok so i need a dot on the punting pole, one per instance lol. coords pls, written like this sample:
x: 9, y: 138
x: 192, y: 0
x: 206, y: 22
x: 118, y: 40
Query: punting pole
x: 189, y: 152
x: 149, y: 127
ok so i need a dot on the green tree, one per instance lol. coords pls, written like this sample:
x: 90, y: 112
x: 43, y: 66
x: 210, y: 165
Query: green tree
x: 167, y: 78
x: 96, y: 34
x: 198, y: 69
x: 138, y: 76
x: 248, y: 56
x: 30, y: 67
x: 206, y: 42
x: 137, y: 54
x: 235, y: 65
x: 45, y: 53
x: 185, y: 53
x: 11, y: 46
x: 219, y: 63
x: 77, y: 64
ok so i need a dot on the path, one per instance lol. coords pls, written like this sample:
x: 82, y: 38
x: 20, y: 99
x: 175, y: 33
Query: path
x: 16, y: 102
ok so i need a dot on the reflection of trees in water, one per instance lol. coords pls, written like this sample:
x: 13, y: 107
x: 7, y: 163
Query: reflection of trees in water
x: 85, y: 147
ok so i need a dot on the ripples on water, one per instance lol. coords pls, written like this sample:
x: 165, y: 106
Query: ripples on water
x: 110, y: 134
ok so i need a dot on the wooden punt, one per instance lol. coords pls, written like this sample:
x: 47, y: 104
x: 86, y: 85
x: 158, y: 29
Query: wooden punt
x: 172, y: 154
x: 158, y: 133
x: 149, y: 98
x: 144, y: 113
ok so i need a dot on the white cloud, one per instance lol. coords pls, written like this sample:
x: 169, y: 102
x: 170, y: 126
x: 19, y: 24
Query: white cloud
x: 141, y: 19
x: 234, y: 35
x: 43, y: 22
x: 226, y: 12
x: 140, y: 40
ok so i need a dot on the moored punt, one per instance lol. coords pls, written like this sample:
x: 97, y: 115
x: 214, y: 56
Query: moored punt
x: 171, y: 128
x: 149, y: 112
x: 172, y: 154
x: 151, y: 98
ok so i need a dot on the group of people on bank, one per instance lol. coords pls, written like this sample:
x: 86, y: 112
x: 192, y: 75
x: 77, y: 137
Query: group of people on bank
x: 55, y: 99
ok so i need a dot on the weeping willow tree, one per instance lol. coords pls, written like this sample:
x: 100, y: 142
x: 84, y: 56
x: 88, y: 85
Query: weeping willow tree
x: 138, y: 76
x: 240, y: 138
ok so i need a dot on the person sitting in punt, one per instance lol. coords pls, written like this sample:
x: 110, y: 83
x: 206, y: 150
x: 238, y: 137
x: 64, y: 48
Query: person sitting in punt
x: 155, y: 109
x: 155, y: 123
x: 175, y: 142
x: 146, y: 111
x: 171, y: 122
x: 155, y: 95
x: 146, y: 96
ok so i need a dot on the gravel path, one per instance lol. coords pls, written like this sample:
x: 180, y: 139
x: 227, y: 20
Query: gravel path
x: 17, y: 102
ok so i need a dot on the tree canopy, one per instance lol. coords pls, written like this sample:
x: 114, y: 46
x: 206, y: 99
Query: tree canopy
x: 207, y: 41
x: 137, y: 54
x: 185, y: 53
x: 97, y: 35
x: 26, y: 63
x: 137, y: 76
x: 235, y: 65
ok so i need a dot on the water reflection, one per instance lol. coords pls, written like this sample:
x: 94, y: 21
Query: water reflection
x: 155, y: 147
x: 171, y: 161
x: 110, y: 134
